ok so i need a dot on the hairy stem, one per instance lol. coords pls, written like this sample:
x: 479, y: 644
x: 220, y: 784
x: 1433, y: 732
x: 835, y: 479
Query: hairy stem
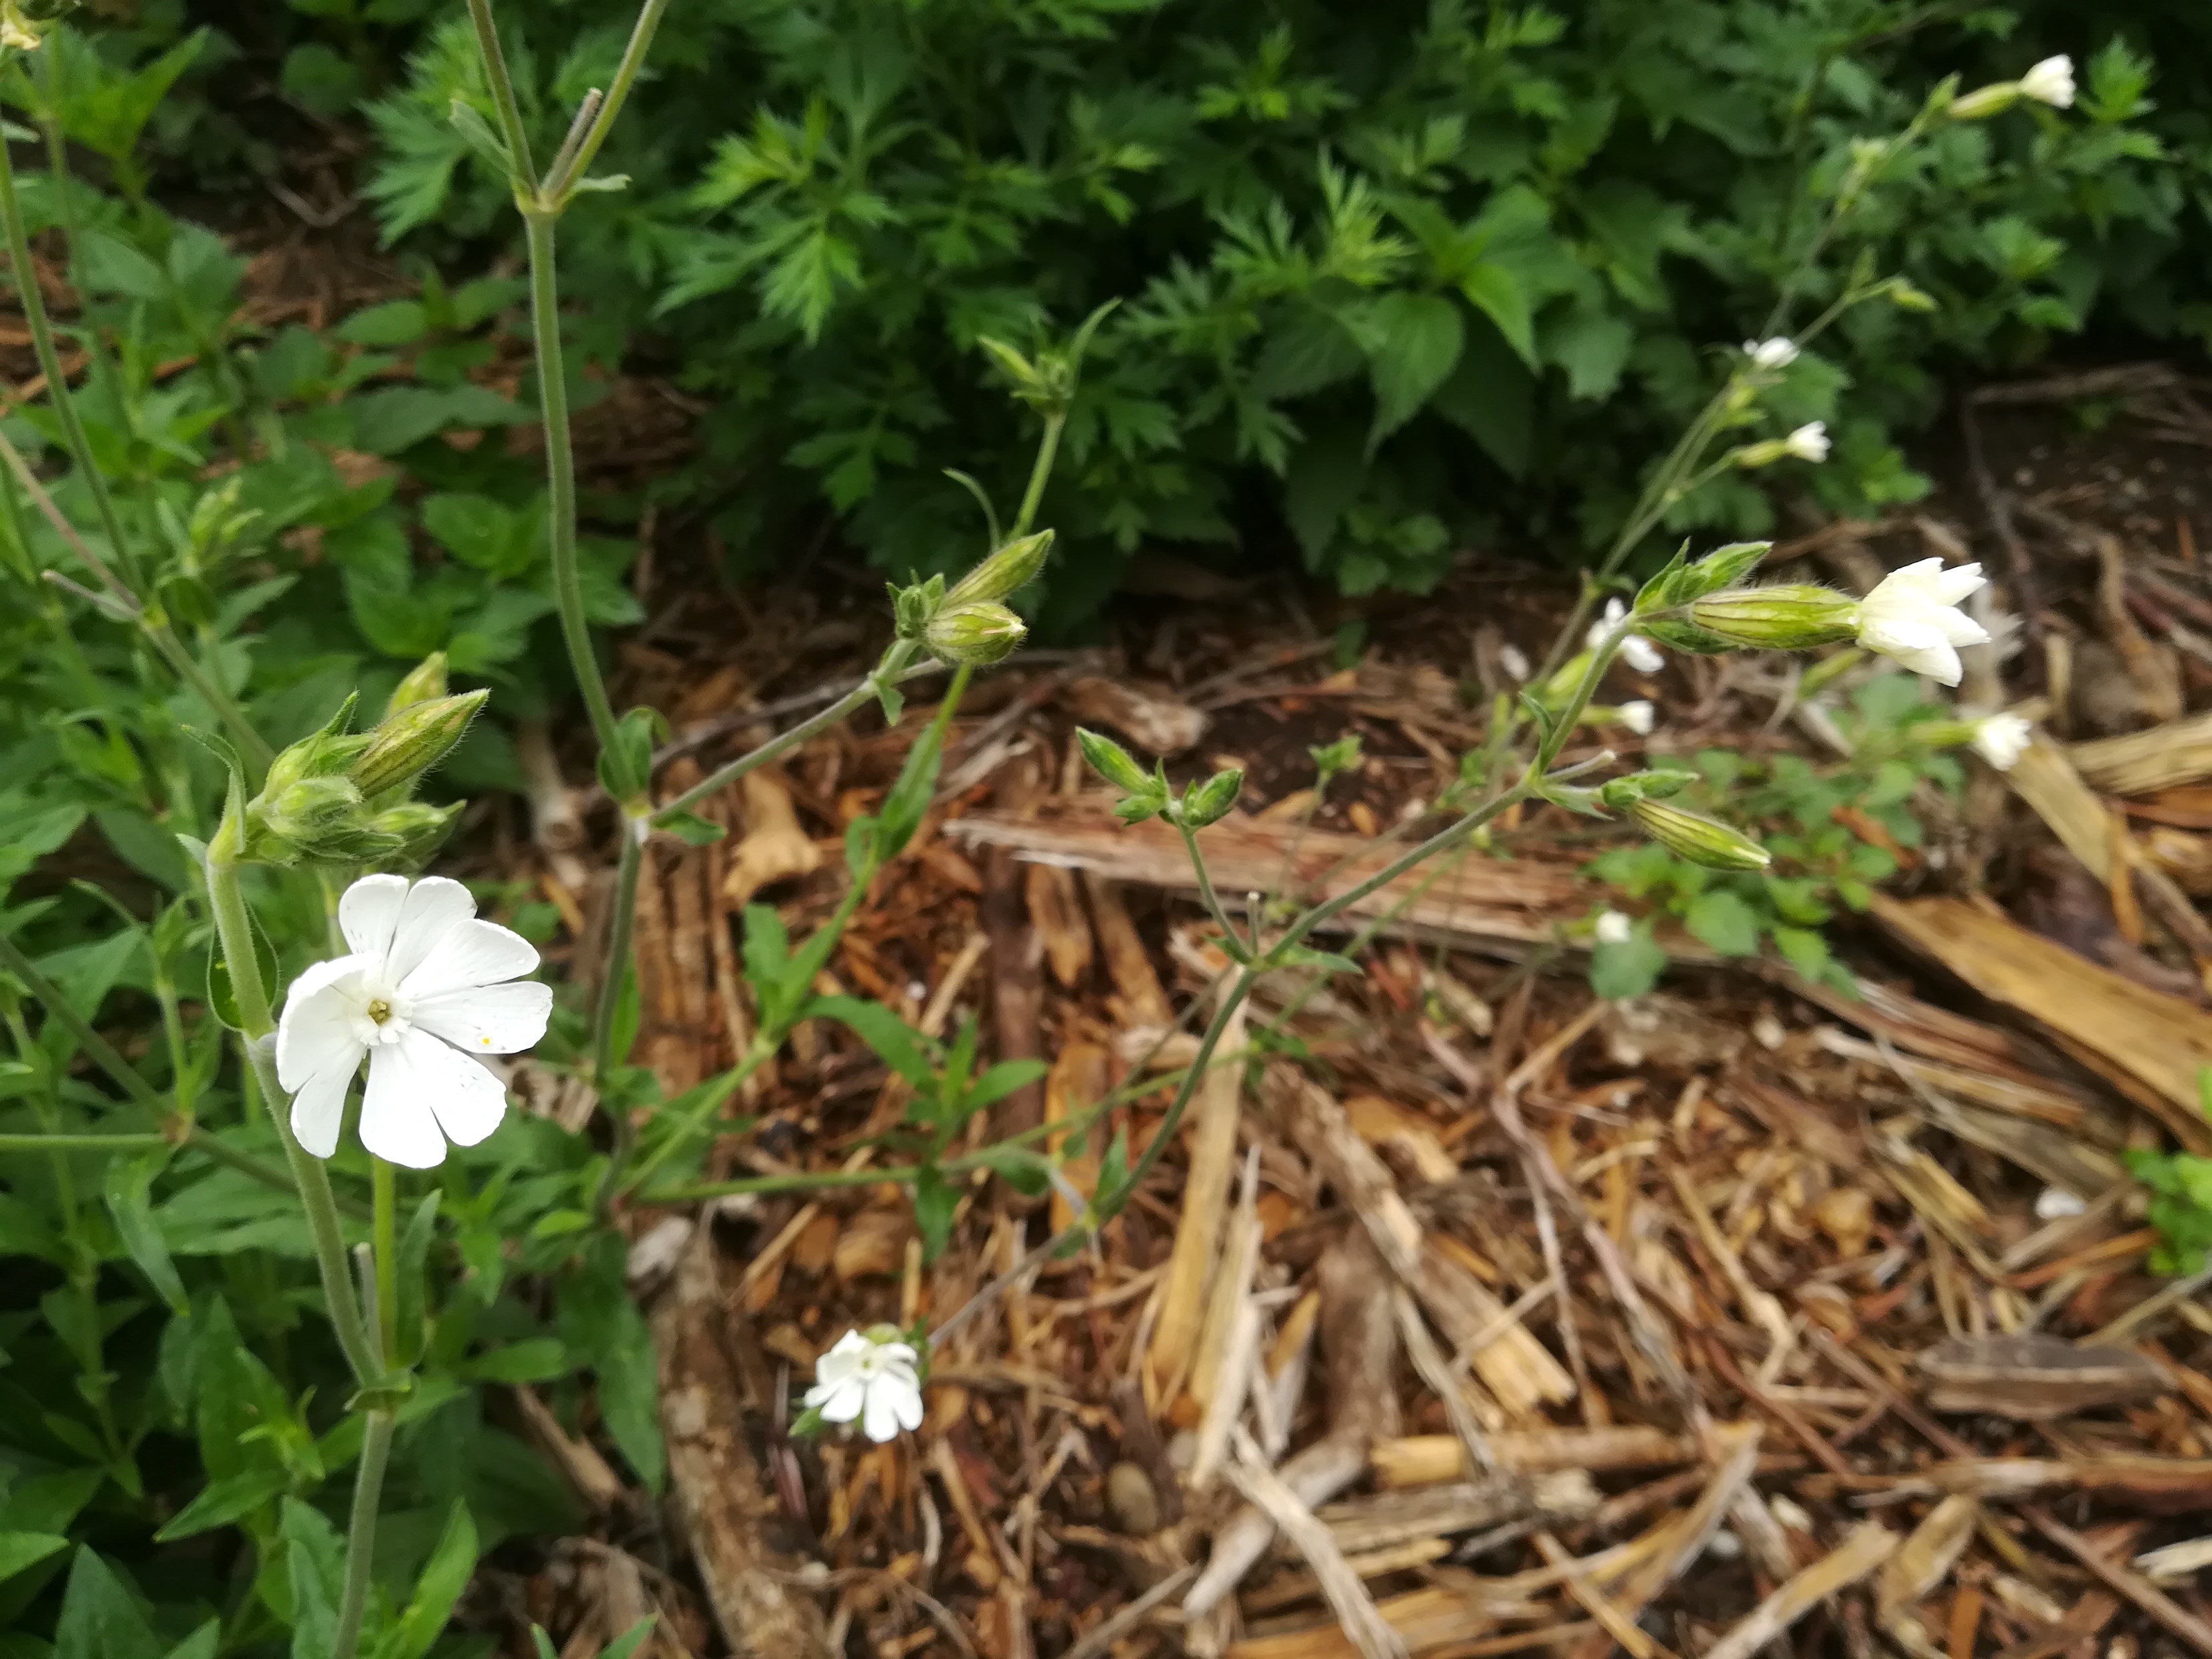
x: 608, y: 1003
x: 361, y: 1531
x: 566, y: 170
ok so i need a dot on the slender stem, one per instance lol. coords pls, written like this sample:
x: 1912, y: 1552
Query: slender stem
x: 615, y: 975
x: 560, y: 486
x: 1040, y: 472
x: 361, y: 1531
x: 1206, y: 884
x: 385, y: 1230
x: 560, y: 177
x: 82, y: 1143
x: 502, y: 97
x: 235, y: 933
x: 58, y: 1007
x: 50, y: 363
x: 891, y: 669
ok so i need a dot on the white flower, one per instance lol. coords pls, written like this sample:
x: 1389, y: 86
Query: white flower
x: 2053, y: 1202
x: 1614, y: 928
x: 426, y: 989
x: 1636, y: 651
x: 1809, y: 442
x: 2051, y: 81
x: 1913, y: 617
x: 1514, y: 660
x: 1637, y: 716
x: 1777, y: 353
x: 2002, y: 739
x: 871, y: 1378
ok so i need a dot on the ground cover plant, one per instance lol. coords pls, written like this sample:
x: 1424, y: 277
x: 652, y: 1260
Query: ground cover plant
x: 269, y: 1319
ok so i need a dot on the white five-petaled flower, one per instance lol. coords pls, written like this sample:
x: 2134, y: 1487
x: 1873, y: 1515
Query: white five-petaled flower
x: 1636, y: 651
x: 1614, y: 928
x: 2051, y: 81
x: 426, y: 988
x: 1514, y: 661
x: 2002, y: 739
x: 1777, y: 353
x: 1913, y: 616
x: 1809, y: 442
x: 1637, y: 716
x: 872, y: 1378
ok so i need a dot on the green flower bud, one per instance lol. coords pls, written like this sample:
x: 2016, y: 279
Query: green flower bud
x: 1700, y: 841
x: 24, y: 23
x: 411, y: 741
x: 1790, y: 616
x: 979, y: 635
x: 425, y: 682
x: 1112, y: 762
x: 1622, y: 794
x: 912, y: 607
x: 1012, y: 568
x: 1210, y: 802
x: 1985, y: 101
x: 321, y: 819
x: 417, y: 828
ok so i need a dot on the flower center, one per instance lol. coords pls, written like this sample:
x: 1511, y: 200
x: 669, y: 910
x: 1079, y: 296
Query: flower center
x: 384, y: 1017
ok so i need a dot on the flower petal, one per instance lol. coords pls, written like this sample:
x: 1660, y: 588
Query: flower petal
x: 906, y: 1405
x: 369, y: 912
x: 486, y: 1019
x: 316, y: 1030
x: 469, y: 1100
x: 1640, y: 655
x: 435, y: 906
x: 318, y: 1107
x: 471, y: 953
x: 840, y: 1402
x: 881, y: 1422
x: 1959, y: 629
x: 397, y: 1123
x: 1960, y: 582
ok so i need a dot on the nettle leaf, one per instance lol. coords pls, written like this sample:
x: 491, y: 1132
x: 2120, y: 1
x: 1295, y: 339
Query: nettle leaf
x: 1722, y: 921
x: 1416, y: 343
x: 1497, y: 294
x: 1630, y: 969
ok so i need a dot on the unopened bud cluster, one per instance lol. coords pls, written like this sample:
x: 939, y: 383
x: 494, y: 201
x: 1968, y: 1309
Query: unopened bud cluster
x: 337, y: 797
x: 970, y: 624
x: 1149, y: 794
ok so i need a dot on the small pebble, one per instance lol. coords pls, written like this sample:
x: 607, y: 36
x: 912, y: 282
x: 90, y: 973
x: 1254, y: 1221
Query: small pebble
x: 1725, y: 1546
x: 1130, y: 1496
x: 1789, y: 1512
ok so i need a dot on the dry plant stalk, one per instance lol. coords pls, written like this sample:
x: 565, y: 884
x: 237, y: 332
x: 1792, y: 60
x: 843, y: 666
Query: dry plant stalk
x: 1868, y: 1547
x: 1212, y: 1135
x: 1347, y: 1597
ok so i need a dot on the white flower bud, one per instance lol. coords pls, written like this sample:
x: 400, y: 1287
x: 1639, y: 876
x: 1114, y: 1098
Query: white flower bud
x: 1637, y: 716
x: 2051, y: 81
x: 2002, y: 739
x: 1614, y: 928
x: 1809, y: 442
x: 1777, y: 353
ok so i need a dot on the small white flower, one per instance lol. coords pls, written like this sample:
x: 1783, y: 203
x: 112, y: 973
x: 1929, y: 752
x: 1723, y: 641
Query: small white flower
x: 426, y: 989
x: 1614, y: 928
x: 1809, y: 442
x: 2002, y: 739
x: 1637, y: 716
x: 1636, y: 651
x: 2051, y: 81
x: 1790, y: 1513
x: 1777, y: 353
x: 2053, y: 1202
x: 1514, y: 660
x: 1913, y: 616
x: 870, y: 1378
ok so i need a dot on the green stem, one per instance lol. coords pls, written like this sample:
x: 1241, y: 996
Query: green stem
x: 890, y: 671
x: 609, y: 1002
x: 234, y: 933
x: 1206, y: 884
x: 58, y: 1007
x: 566, y: 170
x: 50, y: 363
x: 361, y: 1531
x: 82, y: 1143
x: 502, y: 96
x: 1040, y: 472
x: 560, y: 487
x: 385, y: 1230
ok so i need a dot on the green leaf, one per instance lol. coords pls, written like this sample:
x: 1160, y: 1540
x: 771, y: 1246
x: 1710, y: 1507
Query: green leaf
x: 1497, y: 294
x: 1492, y: 395
x: 222, y: 1502
x: 1621, y: 972
x: 629, y: 1641
x: 1027, y: 1172
x: 690, y: 828
x: 896, y: 1043
x: 1803, y: 948
x: 415, y: 1243
x: 437, y: 1589
x: 1416, y: 344
x: 1724, y: 922
x: 1000, y: 1081
x: 533, y: 1361
x: 127, y: 1190
x: 100, y: 1616
x: 1593, y: 348
x: 395, y: 323
x: 19, y: 1550
x: 935, y: 1202
x: 220, y: 998
x: 314, y: 1560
